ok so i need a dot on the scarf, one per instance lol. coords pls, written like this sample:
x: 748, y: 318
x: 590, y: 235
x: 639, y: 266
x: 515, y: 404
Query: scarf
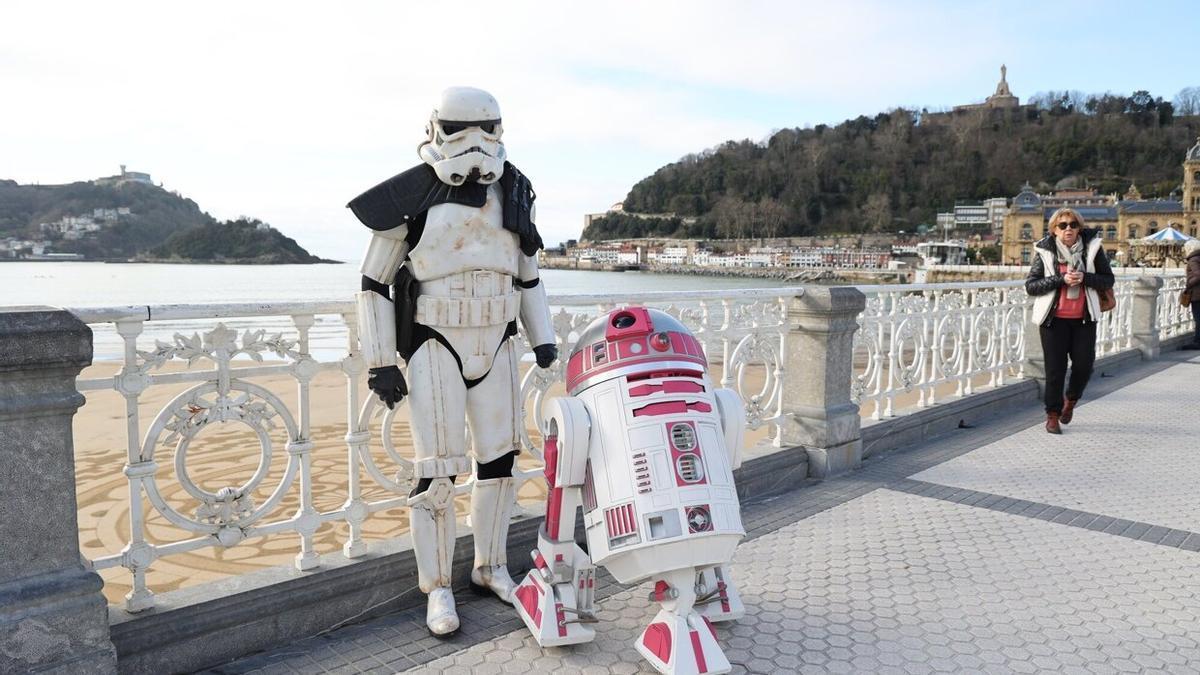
x: 1073, y: 258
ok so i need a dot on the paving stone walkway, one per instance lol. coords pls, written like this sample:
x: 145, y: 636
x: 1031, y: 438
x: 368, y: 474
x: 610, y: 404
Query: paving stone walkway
x: 995, y: 549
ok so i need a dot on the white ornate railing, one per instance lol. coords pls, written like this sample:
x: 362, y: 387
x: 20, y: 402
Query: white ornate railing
x: 1174, y: 319
x: 1024, y: 269
x: 924, y: 337
x: 741, y: 330
x: 1115, y: 330
x: 917, y: 344
x: 919, y: 339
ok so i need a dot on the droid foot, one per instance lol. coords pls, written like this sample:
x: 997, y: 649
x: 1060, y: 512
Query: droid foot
x: 440, y: 615
x: 719, y: 599
x: 552, y: 621
x: 678, y: 645
x: 488, y: 580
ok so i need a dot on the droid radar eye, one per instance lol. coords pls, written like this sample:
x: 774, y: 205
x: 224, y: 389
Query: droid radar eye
x: 623, y: 320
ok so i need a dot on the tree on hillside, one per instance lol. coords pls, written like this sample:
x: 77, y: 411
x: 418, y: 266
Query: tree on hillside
x: 902, y: 166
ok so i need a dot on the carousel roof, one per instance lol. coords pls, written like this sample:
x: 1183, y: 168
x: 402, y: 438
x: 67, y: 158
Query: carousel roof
x: 1168, y: 235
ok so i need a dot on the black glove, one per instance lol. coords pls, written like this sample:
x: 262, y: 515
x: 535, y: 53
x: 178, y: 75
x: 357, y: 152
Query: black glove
x: 545, y: 355
x: 389, y: 384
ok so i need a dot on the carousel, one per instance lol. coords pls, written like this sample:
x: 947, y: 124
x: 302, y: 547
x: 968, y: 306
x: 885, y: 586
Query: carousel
x: 1161, y: 249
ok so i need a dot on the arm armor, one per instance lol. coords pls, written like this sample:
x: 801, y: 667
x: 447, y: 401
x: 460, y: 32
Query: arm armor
x: 376, y: 313
x: 535, y: 309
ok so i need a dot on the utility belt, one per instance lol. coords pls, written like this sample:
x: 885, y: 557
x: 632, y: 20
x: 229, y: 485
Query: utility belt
x: 475, y: 312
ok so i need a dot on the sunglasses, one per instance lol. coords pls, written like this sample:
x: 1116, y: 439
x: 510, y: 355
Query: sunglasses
x: 1068, y: 225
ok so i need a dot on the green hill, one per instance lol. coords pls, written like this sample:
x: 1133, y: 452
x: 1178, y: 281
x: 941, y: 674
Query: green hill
x: 896, y: 170
x: 158, y: 224
x: 155, y: 214
x: 235, y: 241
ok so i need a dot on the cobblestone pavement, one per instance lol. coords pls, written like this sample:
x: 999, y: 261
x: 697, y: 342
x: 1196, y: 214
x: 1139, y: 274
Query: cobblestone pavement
x: 1127, y: 455
x: 891, y: 581
x: 943, y: 557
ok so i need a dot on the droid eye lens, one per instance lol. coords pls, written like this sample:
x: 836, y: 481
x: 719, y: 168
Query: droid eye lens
x: 660, y: 341
x: 623, y: 321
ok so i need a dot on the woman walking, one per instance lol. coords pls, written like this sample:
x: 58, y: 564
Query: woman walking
x: 1191, y: 252
x: 1068, y: 272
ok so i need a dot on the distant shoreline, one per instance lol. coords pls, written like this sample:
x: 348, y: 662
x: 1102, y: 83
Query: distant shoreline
x: 169, y: 261
x: 787, y: 274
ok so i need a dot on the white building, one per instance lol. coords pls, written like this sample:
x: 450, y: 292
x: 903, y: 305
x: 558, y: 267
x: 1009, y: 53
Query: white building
x: 988, y: 215
x: 671, y: 255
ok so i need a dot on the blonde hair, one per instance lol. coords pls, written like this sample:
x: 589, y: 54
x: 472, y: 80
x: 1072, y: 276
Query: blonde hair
x: 1190, y: 246
x: 1063, y: 213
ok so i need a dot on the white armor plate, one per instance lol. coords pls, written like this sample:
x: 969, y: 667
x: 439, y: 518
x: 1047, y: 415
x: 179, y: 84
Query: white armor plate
x: 459, y: 238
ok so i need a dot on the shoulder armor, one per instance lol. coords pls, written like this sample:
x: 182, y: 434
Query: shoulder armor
x: 518, y: 196
x: 401, y: 199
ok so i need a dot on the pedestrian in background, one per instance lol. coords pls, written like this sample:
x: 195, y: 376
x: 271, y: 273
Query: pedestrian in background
x: 1191, y: 252
x: 1068, y: 272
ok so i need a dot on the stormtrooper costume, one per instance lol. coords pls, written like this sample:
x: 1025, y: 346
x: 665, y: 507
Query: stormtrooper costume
x: 454, y: 239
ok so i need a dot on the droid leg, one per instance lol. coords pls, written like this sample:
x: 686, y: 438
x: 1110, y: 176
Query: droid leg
x: 556, y: 600
x: 680, y: 641
x: 718, y: 599
x: 437, y: 404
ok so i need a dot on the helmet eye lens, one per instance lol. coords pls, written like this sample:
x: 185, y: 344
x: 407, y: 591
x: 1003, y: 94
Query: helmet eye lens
x: 457, y: 127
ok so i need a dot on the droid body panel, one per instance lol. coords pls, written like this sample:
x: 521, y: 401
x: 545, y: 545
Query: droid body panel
x: 647, y: 447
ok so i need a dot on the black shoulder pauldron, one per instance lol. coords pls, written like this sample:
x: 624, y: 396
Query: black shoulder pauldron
x: 404, y: 198
x: 401, y: 198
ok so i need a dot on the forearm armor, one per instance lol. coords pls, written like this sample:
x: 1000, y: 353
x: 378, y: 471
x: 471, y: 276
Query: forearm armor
x: 535, y: 309
x: 376, y: 313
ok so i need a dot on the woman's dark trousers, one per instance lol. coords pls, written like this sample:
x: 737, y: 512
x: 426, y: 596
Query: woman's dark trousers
x: 1196, y: 320
x: 1065, y: 338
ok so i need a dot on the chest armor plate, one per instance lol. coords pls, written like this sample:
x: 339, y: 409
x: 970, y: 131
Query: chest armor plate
x: 461, y: 238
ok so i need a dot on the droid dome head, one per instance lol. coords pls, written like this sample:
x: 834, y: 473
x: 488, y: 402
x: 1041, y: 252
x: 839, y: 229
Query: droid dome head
x: 636, y: 343
x: 463, y: 137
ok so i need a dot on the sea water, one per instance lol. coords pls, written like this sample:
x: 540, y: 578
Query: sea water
x: 85, y: 284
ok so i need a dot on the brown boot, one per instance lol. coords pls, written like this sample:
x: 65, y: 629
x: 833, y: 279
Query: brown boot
x: 1068, y: 412
x: 1052, y: 423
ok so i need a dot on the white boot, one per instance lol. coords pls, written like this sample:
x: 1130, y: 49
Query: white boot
x: 491, y: 510
x: 432, y: 518
x: 441, y: 617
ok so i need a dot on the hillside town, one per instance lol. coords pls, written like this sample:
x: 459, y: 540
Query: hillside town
x: 1137, y: 231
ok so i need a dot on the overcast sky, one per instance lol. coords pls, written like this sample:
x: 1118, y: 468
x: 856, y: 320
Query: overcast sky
x: 284, y: 111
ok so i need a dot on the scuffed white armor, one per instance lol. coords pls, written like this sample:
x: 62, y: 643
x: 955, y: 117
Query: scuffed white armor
x: 457, y: 145
x: 474, y: 281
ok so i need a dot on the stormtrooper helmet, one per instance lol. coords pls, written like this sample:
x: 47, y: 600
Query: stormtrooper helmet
x: 463, y: 137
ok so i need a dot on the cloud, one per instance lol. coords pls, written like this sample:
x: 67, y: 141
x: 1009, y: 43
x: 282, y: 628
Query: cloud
x: 286, y: 110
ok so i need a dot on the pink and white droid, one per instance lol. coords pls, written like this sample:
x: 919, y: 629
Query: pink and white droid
x: 647, y: 447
